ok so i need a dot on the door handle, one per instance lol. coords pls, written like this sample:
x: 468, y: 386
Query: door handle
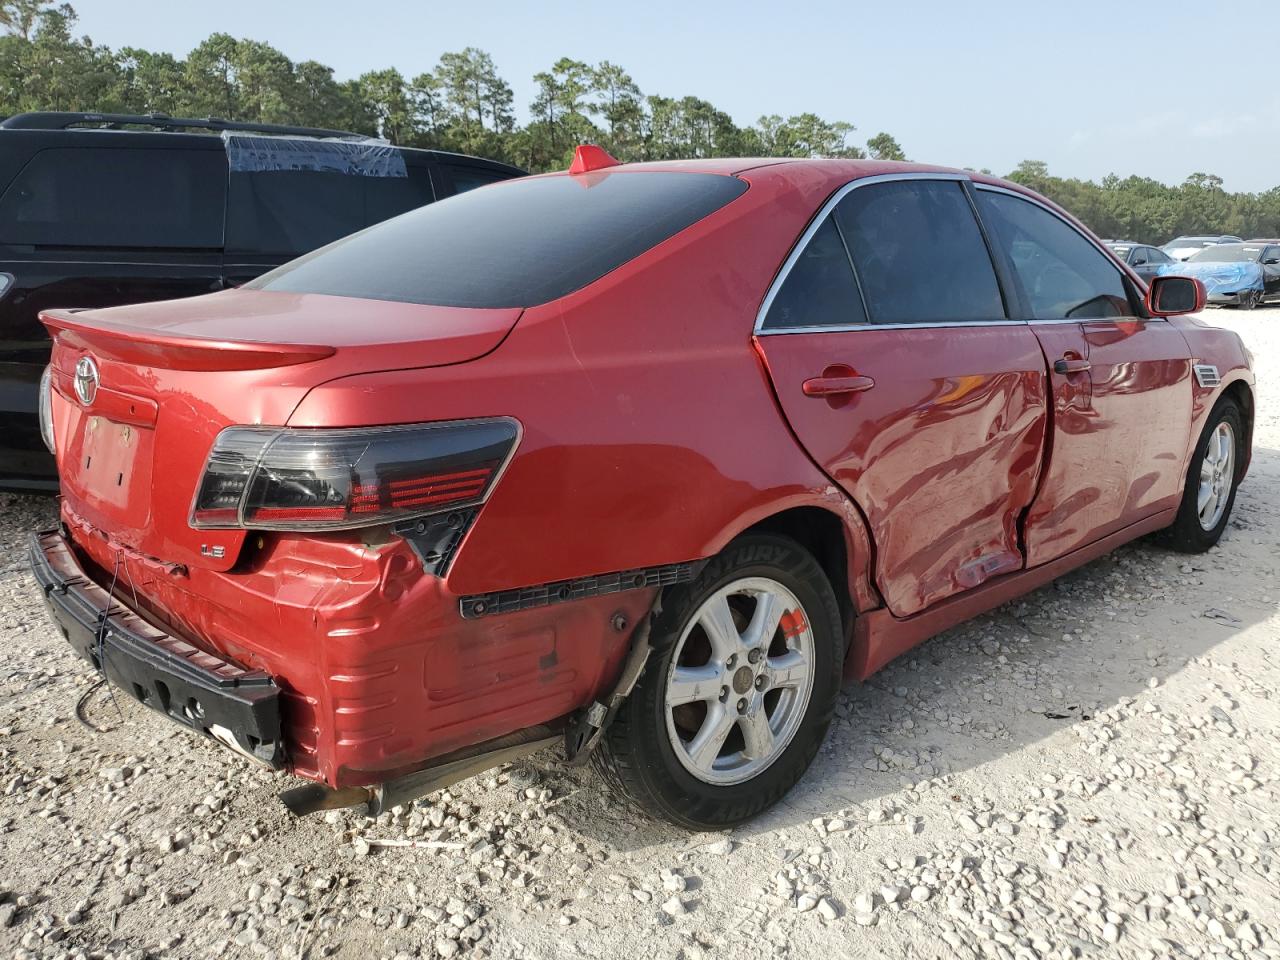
x: 836, y: 386
x: 1070, y: 365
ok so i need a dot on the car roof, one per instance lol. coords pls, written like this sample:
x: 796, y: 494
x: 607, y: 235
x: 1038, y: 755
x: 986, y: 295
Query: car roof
x: 820, y: 173
x: 151, y: 131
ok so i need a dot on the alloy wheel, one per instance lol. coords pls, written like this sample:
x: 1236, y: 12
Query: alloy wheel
x: 740, y: 681
x: 1217, y: 473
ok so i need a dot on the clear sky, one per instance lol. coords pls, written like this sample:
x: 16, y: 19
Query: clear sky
x: 1161, y: 88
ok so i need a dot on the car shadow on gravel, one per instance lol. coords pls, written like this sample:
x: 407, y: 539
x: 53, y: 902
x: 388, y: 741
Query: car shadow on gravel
x: 999, y: 684
x: 989, y: 688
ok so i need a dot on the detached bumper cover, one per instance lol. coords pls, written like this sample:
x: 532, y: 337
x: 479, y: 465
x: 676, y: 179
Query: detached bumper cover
x: 214, y: 697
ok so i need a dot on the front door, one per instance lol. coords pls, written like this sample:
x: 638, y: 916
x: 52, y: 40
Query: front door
x: 1120, y: 384
x: 894, y: 361
x: 1271, y: 272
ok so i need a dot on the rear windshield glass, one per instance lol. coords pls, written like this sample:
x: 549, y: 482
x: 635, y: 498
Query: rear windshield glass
x: 1226, y: 253
x: 511, y: 244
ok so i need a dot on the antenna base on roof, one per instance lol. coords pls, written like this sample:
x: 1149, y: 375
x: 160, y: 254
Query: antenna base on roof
x: 589, y: 157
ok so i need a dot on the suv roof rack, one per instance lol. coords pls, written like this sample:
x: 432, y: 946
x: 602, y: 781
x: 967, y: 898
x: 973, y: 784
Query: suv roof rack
x: 51, y: 120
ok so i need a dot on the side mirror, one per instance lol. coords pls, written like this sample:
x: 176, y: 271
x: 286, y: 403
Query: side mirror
x: 1271, y: 261
x: 1173, y: 296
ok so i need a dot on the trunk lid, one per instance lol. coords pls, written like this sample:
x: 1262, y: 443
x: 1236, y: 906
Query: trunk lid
x: 162, y: 379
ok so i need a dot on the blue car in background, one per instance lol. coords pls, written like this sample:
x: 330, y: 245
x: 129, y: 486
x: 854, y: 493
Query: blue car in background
x: 1236, y: 274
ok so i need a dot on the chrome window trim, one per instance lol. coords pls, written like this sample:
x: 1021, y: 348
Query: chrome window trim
x: 1098, y: 245
x: 1107, y: 254
x: 825, y: 211
x: 814, y: 225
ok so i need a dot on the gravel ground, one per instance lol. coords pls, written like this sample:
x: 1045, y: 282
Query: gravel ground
x: 1091, y: 771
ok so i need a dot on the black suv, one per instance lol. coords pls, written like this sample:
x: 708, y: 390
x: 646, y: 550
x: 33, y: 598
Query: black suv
x: 105, y: 209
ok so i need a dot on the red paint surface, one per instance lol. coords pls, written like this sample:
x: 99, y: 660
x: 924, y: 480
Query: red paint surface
x: 943, y: 454
x: 1120, y: 431
x: 655, y: 429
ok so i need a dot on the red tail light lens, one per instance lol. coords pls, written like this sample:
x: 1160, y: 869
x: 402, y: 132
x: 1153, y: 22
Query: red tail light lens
x: 313, y: 479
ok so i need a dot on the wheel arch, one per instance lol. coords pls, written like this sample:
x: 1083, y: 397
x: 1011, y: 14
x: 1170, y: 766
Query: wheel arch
x: 1240, y: 391
x: 839, y: 541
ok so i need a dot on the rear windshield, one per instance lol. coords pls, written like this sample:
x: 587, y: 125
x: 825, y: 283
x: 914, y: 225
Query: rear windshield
x: 1226, y: 253
x: 512, y: 244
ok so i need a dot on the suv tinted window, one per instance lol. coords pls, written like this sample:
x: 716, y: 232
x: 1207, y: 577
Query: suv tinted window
x: 104, y: 197
x: 1063, y: 276
x: 919, y: 253
x: 820, y: 290
x: 294, y: 211
x: 467, y: 177
x: 522, y: 242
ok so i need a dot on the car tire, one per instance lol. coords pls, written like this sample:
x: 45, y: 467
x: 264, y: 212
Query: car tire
x: 711, y: 676
x: 1248, y: 299
x: 1210, y: 490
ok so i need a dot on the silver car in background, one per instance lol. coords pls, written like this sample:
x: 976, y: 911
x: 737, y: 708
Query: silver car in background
x: 1180, y: 248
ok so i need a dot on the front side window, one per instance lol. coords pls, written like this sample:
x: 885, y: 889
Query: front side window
x: 1156, y: 255
x: 919, y: 254
x: 1063, y: 276
x: 820, y: 290
x: 106, y: 197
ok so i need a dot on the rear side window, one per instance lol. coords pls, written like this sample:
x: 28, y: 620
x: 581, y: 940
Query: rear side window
x: 289, y: 212
x: 820, y: 290
x: 519, y: 243
x: 1063, y: 276
x: 466, y: 177
x: 919, y: 253
x: 103, y: 197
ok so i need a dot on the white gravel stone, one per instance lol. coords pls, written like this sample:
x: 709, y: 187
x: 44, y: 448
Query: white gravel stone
x: 1141, y: 824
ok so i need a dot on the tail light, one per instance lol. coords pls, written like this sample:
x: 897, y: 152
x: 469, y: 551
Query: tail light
x: 46, y: 409
x: 317, y: 479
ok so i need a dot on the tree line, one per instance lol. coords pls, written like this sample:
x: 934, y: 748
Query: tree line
x: 464, y: 104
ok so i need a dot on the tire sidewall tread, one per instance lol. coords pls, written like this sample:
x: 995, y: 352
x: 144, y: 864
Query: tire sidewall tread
x: 1186, y: 535
x: 637, y: 755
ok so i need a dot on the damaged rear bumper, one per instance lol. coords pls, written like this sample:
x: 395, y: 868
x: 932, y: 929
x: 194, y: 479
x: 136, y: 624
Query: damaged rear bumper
x: 205, y: 693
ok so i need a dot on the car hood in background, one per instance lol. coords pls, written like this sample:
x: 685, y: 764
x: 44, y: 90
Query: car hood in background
x: 1221, y: 277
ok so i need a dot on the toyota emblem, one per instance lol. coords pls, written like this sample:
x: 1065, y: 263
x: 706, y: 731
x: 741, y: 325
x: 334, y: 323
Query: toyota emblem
x: 86, y: 380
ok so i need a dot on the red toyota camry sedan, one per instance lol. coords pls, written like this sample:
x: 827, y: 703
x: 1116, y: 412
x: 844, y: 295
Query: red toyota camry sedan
x: 640, y: 458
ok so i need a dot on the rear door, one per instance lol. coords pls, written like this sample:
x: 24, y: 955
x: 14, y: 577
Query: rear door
x: 1121, y: 383
x: 98, y: 226
x: 94, y: 225
x: 894, y: 360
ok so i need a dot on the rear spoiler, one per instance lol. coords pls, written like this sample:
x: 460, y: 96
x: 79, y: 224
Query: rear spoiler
x: 148, y: 347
